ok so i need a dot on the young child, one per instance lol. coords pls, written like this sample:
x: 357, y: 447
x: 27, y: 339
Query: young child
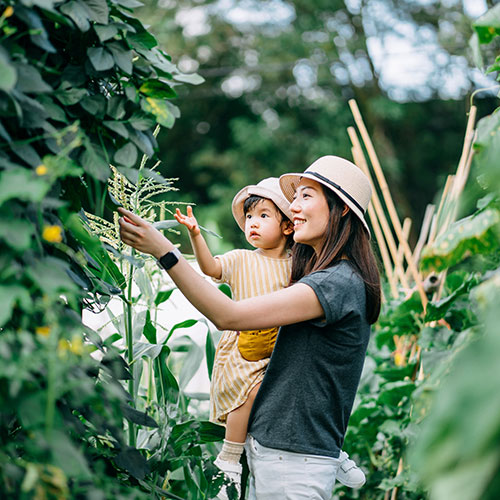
x: 262, y: 212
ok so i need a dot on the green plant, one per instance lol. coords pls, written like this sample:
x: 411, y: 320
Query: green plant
x: 82, y: 83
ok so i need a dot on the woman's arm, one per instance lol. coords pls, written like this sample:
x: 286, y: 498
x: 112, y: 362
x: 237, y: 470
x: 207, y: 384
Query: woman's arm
x: 290, y: 305
x: 208, y: 264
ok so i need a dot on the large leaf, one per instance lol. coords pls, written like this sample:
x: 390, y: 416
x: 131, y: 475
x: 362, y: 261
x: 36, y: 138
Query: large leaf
x: 121, y: 56
x: 94, y: 162
x: 488, y: 25
x: 8, y: 74
x: 100, y: 58
x: 133, y: 462
x: 11, y: 295
x: 22, y: 184
x: 157, y: 89
x: 126, y: 155
x: 209, y: 353
x: 98, y: 10
x: 472, y: 235
x: 158, y: 108
x: 16, y: 233
x: 192, y: 362
x: 138, y: 417
x: 29, y: 80
x: 167, y: 388
x: 78, y: 13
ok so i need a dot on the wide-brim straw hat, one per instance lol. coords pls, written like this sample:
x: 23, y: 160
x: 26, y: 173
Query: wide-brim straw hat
x: 344, y: 178
x: 267, y: 188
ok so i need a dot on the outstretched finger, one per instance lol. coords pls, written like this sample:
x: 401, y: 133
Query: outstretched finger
x: 131, y: 217
x: 189, y: 211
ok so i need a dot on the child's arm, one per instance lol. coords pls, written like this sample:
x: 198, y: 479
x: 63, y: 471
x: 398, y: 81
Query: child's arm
x: 208, y: 264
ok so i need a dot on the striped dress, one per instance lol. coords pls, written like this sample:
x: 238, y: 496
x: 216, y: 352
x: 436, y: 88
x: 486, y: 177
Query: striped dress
x: 249, y: 274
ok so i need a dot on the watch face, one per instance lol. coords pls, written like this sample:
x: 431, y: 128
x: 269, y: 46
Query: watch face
x: 168, y: 260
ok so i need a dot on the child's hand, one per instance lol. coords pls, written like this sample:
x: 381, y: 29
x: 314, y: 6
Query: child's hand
x: 188, y: 220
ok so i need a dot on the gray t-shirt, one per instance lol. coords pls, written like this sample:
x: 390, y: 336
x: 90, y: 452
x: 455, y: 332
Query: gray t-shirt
x: 306, y: 397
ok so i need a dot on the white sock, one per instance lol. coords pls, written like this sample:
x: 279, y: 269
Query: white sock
x: 231, y: 451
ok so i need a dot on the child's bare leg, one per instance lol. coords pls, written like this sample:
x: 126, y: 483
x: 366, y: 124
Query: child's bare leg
x: 237, y: 420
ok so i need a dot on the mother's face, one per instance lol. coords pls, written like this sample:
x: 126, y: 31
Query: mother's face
x: 310, y: 214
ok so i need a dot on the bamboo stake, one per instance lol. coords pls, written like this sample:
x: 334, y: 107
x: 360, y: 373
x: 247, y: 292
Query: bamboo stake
x: 406, y: 232
x: 398, y: 472
x: 422, y: 238
x: 387, y: 231
x: 435, y: 224
x: 386, y: 260
x: 388, y: 200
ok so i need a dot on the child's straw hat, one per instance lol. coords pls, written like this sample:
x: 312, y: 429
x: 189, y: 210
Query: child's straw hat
x: 344, y: 178
x: 267, y: 188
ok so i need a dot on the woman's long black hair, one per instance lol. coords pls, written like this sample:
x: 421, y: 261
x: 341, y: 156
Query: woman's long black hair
x: 345, y: 238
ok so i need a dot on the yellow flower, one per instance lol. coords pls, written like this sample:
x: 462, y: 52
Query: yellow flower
x: 75, y: 346
x: 8, y: 12
x: 52, y: 234
x: 41, y: 170
x: 399, y: 359
x: 43, y: 330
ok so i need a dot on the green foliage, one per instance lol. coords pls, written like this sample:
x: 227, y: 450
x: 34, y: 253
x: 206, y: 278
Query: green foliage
x: 78, y: 83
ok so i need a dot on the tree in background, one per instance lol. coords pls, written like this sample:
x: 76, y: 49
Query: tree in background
x: 278, y: 77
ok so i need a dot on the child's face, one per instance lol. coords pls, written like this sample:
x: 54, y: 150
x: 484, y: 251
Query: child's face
x: 264, y: 227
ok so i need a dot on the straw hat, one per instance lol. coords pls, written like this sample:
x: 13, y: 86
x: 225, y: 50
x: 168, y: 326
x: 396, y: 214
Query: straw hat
x: 344, y: 178
x: 267, y: 188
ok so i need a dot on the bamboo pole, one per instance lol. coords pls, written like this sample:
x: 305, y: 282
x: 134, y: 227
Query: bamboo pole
x: 406, y: 232
x: 398, y: 472
x: 388, y: 200
x: 386, y: 260
x: 387, y: 231
x: 435, y: 223
x: 422, y: 238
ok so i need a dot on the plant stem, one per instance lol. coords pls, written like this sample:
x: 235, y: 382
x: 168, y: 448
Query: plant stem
x: 130, y: 347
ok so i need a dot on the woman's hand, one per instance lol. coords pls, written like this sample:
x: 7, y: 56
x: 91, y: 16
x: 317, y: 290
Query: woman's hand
x: 188, y: 220
x: 142, y: 236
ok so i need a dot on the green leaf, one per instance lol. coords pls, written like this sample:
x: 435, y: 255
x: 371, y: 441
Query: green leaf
x: 160, y: 110
x: 476, y: 51
x: 50, y: 274
x: 126, y: 155
x: 71, y: 96
x: 100, y: 58
x: 210, y: 353
x: 488, y: 25
x: 488, y: 130
x: 143, y: 142
x: 78, y: 13
x: 226, y: 289
x: 165, y: 224
x: 117, y: 127
x: 54, y: 111
x: 163, y: 296
x: 94, y: 163
x: 167, y: 389
x: 8, y: 74
x: 29, y: 80
x: 157, y: 89
x: 67, y: 457
x: 141, y: 121
x: 116, y: 107
x: 183, y: 324
x: 122, y: 57
x: 138, y: 417
x: 98, y: 9
x: 191, y: 364
x: 105, y: 32
x: 129, y: 4
x: 142, y: 39
x: 149, y: 330
x: 133, y: 462
x: 16, y: 233
x: 94, y: 104
x: 22, y: 184
x: 193, y: 78
x: 9, y: 297
x: 472, y: 235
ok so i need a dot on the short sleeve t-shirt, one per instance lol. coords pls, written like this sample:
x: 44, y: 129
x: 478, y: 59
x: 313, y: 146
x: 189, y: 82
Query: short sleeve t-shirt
x: 306, y: 397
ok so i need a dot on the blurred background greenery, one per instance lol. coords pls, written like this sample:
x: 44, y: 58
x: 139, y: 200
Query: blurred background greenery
x: 279, y: 75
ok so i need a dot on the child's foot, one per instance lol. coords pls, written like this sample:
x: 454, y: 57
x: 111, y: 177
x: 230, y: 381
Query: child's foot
x: 349, y: 474
x: 233, y: 473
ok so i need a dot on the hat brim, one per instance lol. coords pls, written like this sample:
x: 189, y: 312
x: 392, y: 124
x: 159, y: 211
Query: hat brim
x: 289, y: 183
x: 241, y: 196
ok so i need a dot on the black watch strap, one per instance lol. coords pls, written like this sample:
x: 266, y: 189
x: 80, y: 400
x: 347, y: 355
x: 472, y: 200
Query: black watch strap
x: 169, y: 259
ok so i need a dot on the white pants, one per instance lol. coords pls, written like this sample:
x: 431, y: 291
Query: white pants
x: 283, y: 475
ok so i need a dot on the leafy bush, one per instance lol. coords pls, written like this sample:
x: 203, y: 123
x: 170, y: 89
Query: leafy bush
x: 82, y: 85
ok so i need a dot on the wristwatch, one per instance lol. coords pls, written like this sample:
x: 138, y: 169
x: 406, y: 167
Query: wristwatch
x: 169, y: 259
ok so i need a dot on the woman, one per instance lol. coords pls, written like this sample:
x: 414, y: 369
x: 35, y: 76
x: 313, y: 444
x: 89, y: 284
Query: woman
x: 301, y: 411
